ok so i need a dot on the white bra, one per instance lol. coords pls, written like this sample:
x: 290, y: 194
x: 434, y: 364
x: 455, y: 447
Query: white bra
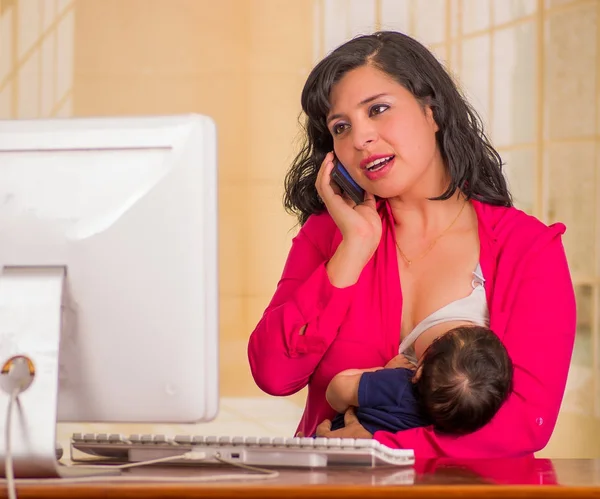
x: 472, y: 308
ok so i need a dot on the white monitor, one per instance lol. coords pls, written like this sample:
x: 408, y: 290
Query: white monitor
x: 108, y: 242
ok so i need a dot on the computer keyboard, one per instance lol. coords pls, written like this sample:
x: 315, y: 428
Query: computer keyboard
x: 256, y: 451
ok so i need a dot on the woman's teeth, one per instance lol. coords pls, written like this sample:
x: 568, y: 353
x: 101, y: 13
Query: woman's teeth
x: 379, y: 163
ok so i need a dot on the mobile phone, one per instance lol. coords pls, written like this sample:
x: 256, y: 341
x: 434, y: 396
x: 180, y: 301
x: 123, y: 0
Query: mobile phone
x: 342, y: 178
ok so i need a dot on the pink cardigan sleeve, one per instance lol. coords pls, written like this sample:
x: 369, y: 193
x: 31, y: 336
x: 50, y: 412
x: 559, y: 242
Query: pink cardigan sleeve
x: 539, y: 337
x: 283, y: 357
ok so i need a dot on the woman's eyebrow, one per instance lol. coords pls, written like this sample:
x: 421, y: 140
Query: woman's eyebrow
x: 361, y: 103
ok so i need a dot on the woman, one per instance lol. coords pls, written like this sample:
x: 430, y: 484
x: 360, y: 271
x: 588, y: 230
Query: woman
x: 360, y: 278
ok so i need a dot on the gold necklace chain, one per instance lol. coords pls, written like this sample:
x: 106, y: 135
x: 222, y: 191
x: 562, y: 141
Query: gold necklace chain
x: 432, y: 244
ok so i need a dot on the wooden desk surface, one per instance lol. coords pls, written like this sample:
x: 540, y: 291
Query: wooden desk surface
x: 428, y: 479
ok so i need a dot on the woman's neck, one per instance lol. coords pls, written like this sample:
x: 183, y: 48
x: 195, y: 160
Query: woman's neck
x: 424, y: 216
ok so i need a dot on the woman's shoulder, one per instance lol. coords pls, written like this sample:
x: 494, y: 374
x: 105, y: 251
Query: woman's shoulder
x: 513, y: 229
x: 510, y: 222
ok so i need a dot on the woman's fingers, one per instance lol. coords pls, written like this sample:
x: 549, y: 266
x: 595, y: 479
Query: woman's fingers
x: 324, y: 429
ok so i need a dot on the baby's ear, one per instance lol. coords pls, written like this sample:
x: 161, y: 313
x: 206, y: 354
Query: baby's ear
x: 417, y: 375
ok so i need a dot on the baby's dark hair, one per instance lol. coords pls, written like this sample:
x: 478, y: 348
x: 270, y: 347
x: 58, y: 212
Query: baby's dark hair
x: 466, y: 375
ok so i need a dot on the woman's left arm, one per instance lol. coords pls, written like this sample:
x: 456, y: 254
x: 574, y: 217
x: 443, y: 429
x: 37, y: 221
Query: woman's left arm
x: 539, y: 338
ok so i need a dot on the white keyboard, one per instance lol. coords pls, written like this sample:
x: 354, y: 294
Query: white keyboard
x: 257, y: 451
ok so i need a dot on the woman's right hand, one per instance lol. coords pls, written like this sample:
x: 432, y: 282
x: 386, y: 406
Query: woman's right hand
x: 360, y: 225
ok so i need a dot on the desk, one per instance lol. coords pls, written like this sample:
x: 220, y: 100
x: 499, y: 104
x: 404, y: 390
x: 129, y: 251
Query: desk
x: 445, y: 479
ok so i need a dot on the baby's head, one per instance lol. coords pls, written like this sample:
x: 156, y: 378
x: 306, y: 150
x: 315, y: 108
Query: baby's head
x: 463, y: 378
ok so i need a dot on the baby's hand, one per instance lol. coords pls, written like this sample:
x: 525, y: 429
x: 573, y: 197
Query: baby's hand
x: 400, y: 361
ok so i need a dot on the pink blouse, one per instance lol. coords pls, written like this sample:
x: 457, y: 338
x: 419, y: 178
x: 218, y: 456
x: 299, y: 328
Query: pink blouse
x: 532, y: 309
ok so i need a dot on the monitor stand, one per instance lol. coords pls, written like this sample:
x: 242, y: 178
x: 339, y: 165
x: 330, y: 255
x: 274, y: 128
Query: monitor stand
x: 31, y: 300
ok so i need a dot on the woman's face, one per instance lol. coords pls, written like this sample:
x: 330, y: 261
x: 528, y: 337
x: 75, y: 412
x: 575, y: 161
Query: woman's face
x: 383, y: 136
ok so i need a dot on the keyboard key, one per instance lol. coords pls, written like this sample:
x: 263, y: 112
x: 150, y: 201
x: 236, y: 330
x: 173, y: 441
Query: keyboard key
x: 321, y: 442
x: 363, y: 443
x: 77, y: 437
x: 348, y: 443
x: 183, y: 439
x: 334, y: 442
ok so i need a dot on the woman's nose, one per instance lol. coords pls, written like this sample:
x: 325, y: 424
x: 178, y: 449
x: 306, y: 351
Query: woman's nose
x: 364, y: 136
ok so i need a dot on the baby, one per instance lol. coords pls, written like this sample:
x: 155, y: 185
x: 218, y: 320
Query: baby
x: 460, y: 382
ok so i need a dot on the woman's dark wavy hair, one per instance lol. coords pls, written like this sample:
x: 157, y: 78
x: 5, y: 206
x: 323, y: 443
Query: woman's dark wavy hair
x: 474, y: 165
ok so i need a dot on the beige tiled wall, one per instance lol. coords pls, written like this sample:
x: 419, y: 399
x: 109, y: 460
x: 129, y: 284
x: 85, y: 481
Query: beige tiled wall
x: 531, y: 67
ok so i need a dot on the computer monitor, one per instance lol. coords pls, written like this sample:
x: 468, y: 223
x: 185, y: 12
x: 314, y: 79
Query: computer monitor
x: 109, y: 286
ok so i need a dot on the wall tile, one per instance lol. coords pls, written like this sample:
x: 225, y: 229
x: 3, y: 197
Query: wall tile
x: 476, y: 15
x: 584, y: 294
x: 557, y: 3
x: 455, y: 18
x: 232, y: 316
x: 139, y: 93
x: 520, y: 171
x: 515, y: 85
x: 48, y: 13
x: 29, y: 84
x: 233, y: 234
x: 29, y: 25
x: 65, y: 107
x: 281, y: 46
x: 62, y: 5
x: 65, y: 33
x: 270, y: 236
x: 272, y: 124
x: 455, y: 57
x: 234, y: 370
x: 474, y: 74
x: 166, y: 36
x: 571, y: 200
x: 570, y: 76
x: 506, y: 11
x: 361, y: 17
x: 441, y: 53
x: 336, y: 29
x: 48, y: 63
x: 6, y: 44
x: 430, y: 21
x: 395, y: 15
x: 597, y: 212
x: 6, y: 101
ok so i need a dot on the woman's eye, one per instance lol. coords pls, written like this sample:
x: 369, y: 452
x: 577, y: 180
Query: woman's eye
x: 338, y: 128
x: 378, y: 109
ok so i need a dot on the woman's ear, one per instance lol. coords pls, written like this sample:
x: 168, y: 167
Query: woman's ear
x: 431, y: 118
